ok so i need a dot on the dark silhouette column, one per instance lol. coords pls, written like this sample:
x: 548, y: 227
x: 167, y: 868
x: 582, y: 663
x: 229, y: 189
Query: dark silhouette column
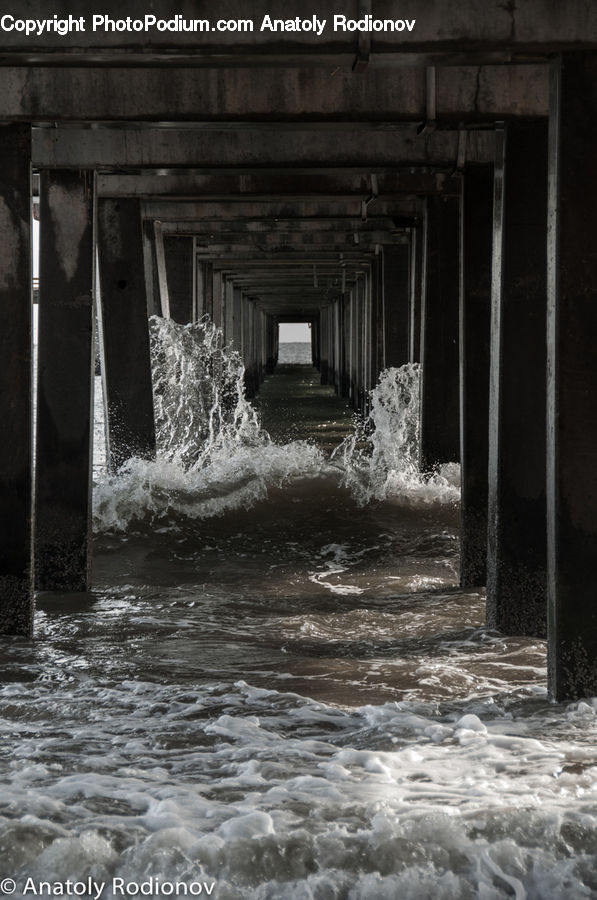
x: 180, y: 272
x: 66, y: 363
x: 440, y: 435
x: 572, y: 379
x: 16, y: 587
x: 516, y: 560
x: 396, y: 288
x: 475, y: 318
x: 416, y: 287
x: 125, y: 336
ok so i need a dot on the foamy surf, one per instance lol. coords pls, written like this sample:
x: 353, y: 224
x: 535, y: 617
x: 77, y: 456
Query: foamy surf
x: 214, y: 457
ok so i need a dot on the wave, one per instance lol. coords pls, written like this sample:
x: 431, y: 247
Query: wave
x: 213, y: 455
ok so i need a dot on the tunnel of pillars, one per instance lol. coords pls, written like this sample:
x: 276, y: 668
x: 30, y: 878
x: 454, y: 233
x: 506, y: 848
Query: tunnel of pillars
x: 465, y: 244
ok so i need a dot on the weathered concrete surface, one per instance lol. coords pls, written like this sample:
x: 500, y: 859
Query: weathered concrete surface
x: 118, y: 149
x: 572, y: 368
x: 440, y: 433
x: 16, y: 585
x: 126, y: 362
x: 294, y: 406
x: 64, y: 389
x: 396, y: 289
x: 180, y: 264
x: 271, y: 187
x: 475, y: 318
x: 517, y: 542
x: 305, y: 93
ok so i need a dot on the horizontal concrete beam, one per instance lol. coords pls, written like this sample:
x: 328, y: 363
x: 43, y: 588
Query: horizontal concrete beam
x: 251, y: 188
x: 436, y: 28
x: 119, y: 149
x: 272, y: 247
x: 223, y: 252
x: 215, y: 220
x: 303, y: 95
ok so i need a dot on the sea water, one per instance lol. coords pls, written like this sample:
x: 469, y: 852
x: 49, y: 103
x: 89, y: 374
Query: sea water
x: 276, y: 688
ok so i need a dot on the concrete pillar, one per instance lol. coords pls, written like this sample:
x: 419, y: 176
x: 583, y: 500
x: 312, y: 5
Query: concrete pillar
x: 126, y: 365
x: 162, y: 278
x: 271, y: 351
x: 350, y: 356
x: 417, y: 247
x: 204, y: 288
x: 228, y: 289
x: 369, y: 341
x: 217, y: 313
x: 16, y: 586
x: 315, y: 342
x: 396, y: 288
x: 378, y: 321
x: 324, y: 342
x: 66, y: 363
x: 345, y: 336
x: 516, y: 556
x: 152, y: 282
x: 440, y: 433
x: 361, y: 337
x: 248, y: 346
x: 237, y: 318
x: 475, y: 319
x: 572, y: 379
x: 179, y: 254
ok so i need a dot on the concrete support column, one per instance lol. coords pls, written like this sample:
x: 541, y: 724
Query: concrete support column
x: 361, y: 338
x: 161, y: 275
x: 272, y: 350
x: 350, y: 344
x: 217, y: 313
x: 179, y: 254
x: 378, y: 321
x: 126, y: 365
x: 204, y: 288
x: 344, y: 383
x: 369, y: 342
x: 417, y: 247
x: 315, y: 342
x: 440, y: 433
x: 237, y: 318
x: 228, y: 289
x: 324, y: 345
x: 248, y: 347
x: 572, y: 379
x: 66, y: 363
x: 16, y: 586
x: 396, y: 288
x: 152, y: 282
x: 516, y: 556
x: 475, y: 319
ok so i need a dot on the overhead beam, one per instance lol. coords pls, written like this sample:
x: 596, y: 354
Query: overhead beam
x: 119, y: 149
x: 250, y: 188
x: 471, y: 92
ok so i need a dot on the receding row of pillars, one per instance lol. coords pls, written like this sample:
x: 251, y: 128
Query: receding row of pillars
x: 495, y: 293
x: 497, y: 299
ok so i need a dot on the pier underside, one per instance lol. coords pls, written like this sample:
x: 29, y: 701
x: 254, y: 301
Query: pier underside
x: 428, y: 198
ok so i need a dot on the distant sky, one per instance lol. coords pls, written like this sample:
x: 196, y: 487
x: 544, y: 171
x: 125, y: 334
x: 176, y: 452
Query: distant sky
x: 294, y: 332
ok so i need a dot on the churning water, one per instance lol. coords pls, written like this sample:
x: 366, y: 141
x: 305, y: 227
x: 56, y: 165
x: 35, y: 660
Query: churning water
x: 276, y: 689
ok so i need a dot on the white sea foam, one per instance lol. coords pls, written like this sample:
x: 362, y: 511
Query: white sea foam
x: 213, y: 455
x: 380, y: 461
x: 273, y: 795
